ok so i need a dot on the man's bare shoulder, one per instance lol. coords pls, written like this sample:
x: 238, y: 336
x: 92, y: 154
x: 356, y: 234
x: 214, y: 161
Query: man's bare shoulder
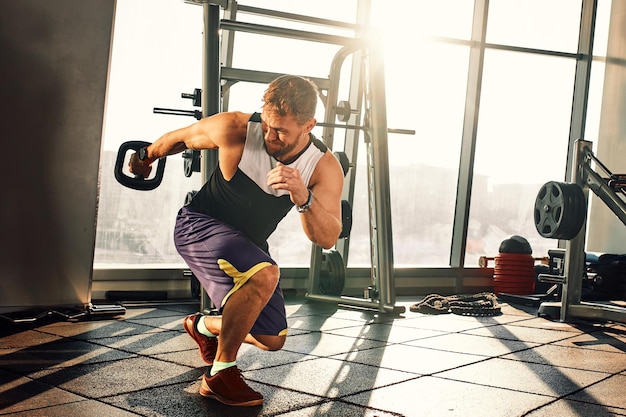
x: 232, y: 119
x: 220, y: 130
x: 331, y: 163
x: 232, y: 125
x: 240, y: 116
x: 235, y: 127
x: 328, y: 170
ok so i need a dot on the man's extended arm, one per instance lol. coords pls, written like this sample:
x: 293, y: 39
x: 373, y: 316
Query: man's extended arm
x: 222, y: 130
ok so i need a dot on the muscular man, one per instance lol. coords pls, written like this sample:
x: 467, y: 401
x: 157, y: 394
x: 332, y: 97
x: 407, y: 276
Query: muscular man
x: 268, y: 163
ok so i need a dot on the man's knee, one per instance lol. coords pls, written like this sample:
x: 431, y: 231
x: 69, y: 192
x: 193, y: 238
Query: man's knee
x: 278, y: 343
x: 267, y: 279
x: 271, y: 272
x: 271, y: 343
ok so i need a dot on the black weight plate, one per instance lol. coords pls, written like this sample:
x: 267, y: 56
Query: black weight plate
x: 344, y: 161
x: 575, y: 215
x: 560, y: 210
x: 332, y: 273
x: 346, y: 219
x: 548, y: 209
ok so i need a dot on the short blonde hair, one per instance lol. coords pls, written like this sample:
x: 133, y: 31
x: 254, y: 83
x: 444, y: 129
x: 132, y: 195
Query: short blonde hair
x: 290, y: 95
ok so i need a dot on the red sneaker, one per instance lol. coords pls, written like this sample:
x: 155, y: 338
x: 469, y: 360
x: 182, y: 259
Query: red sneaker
x: 207, y: 345
x: 227, y: 386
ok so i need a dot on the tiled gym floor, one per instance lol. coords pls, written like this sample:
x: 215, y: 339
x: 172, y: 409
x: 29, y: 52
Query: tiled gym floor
x: 336, y: 362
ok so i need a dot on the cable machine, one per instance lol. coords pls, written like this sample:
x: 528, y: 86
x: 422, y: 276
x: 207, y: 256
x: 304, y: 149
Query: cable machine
x: 364, y: 111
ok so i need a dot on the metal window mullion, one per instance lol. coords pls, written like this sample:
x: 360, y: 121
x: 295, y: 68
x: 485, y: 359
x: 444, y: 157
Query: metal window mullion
x: 384, y: 262
x: 468, y: 140
x: 582, y: 79
x: 575, y: 248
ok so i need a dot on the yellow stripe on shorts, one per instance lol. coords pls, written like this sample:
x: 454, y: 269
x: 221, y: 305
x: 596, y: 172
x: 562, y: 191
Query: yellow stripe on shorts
x: 238, y: 277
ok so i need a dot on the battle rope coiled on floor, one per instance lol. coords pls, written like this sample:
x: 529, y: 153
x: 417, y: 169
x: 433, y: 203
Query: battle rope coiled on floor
x: 481, y: 304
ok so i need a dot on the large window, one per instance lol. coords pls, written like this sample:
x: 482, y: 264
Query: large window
x: 426, y: 83
x: 521, y: 134
x: 525, y: 116
x: 539, y: 24
x: 156, y: 56
x: 522, y: 141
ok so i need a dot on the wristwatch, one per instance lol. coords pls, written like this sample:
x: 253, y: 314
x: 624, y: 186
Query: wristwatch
x: 143, y: 153
x: 306, y: 206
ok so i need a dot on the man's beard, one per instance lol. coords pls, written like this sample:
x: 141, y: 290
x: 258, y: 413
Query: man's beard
x: 281, y: 151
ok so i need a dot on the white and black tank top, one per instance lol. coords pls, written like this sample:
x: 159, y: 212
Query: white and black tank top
x: 246, y: 201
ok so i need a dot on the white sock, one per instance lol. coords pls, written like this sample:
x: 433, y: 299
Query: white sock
x: 218, y: 366
x: 201, y: 327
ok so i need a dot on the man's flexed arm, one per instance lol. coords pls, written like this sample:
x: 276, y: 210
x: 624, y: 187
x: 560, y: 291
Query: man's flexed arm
x: 321, y: 221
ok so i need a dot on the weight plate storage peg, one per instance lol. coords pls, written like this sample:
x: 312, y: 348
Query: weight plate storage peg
x: 332, y: 273
x: 560, y: 210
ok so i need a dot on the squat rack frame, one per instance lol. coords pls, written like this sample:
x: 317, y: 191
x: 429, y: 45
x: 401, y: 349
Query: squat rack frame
x: 367, y: 89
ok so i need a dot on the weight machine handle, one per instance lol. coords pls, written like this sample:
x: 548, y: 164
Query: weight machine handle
x: 137, y: 182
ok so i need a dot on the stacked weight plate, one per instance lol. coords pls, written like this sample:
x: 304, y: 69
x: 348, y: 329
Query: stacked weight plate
x: 560, y: 210
x: 514, y: 273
